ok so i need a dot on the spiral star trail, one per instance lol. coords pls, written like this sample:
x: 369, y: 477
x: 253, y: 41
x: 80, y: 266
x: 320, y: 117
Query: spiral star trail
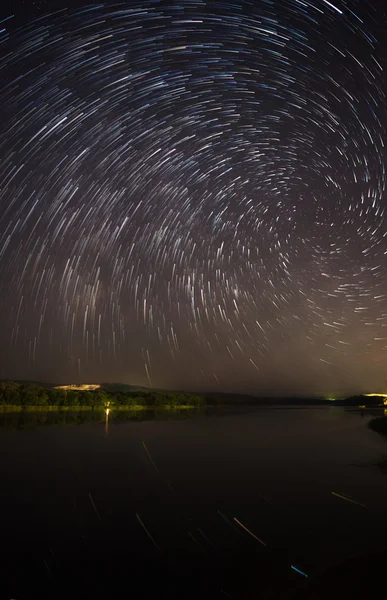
x: 193, y: 195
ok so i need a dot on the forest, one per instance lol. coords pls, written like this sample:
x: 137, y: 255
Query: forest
x: 31, y: 394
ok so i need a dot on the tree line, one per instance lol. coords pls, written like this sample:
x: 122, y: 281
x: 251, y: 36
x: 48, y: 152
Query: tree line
x: 30, y: 394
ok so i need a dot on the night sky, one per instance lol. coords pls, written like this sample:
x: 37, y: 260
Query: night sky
x: 193, y: 194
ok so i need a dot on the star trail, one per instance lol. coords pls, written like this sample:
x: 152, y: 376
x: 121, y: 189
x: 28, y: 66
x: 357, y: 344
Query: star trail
x: 193, y: 195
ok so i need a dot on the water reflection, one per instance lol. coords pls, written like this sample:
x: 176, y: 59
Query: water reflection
x: 31, y: 420
x: 26, y: 419
x: 241, y: 498
x: 107, y: 411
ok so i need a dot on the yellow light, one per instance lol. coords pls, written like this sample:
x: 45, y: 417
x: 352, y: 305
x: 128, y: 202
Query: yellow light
x: 83, y: 387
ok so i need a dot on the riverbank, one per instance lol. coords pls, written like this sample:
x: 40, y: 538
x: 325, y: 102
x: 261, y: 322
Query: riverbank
x: 31, y: 397
x: 12, y: 408
x: 379, y: 425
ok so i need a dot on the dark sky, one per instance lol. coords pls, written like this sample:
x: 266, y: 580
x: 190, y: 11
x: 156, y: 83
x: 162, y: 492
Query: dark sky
x: 193, y: 194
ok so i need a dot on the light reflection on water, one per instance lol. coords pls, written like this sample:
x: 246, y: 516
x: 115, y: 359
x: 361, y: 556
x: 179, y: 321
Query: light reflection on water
x: 33, y: 419
x: 27, y: 419
x: 286, y: 474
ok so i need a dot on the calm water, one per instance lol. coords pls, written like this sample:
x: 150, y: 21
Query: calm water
x: 81, y: 502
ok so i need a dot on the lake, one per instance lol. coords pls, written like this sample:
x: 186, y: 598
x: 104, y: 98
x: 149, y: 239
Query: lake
x: 217, y: 505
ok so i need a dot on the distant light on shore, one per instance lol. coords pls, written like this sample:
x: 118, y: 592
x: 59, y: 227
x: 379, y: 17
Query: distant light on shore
x: 82, y: 387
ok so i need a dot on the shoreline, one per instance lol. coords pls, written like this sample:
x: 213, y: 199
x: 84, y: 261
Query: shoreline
x: 19, y: 408
x: 9, y: 408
